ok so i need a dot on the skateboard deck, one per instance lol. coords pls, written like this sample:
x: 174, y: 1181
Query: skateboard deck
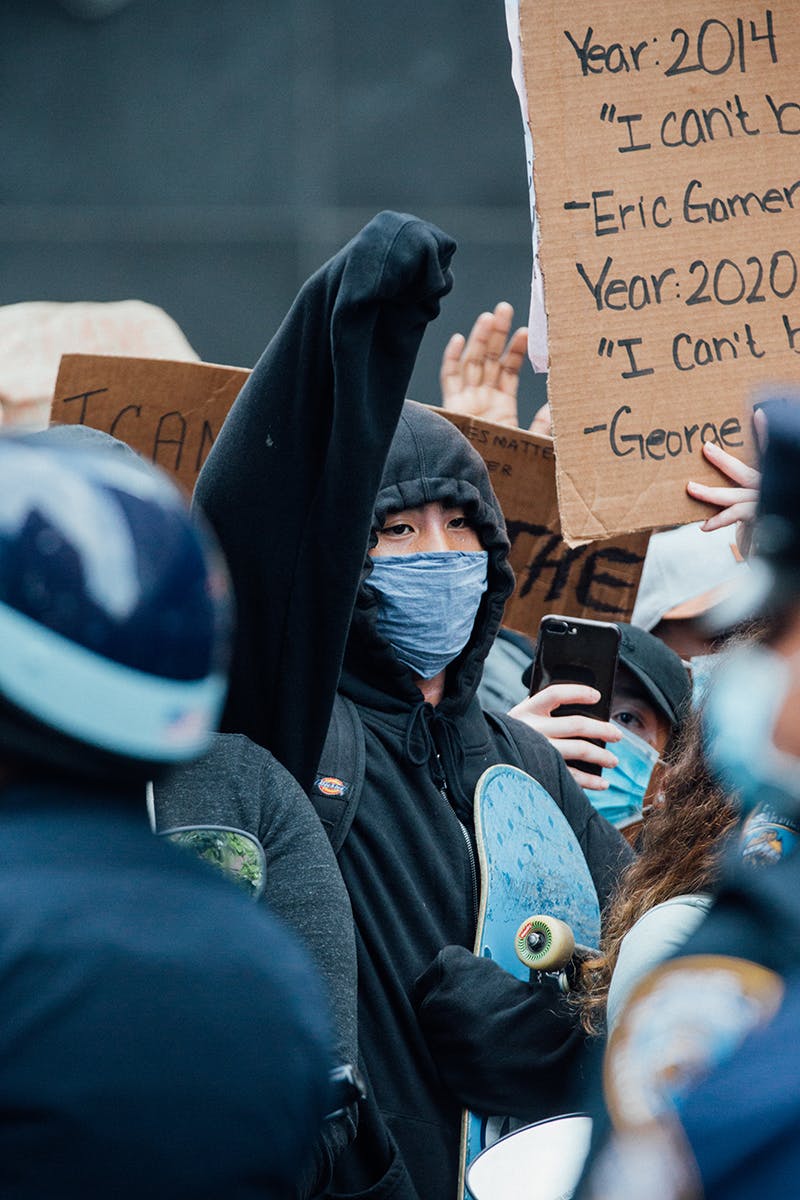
x: 530, y: 862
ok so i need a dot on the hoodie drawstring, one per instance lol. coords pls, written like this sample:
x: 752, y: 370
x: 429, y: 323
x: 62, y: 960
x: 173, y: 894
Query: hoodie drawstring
x: 420, y: 748
x: 420, y: 726
x: 417, y: 728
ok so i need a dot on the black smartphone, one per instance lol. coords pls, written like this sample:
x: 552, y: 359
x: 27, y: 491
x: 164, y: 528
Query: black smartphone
x: 576, y: 650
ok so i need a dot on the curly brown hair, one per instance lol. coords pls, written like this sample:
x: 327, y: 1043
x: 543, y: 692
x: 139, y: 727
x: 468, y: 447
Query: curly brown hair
x: 679, y: 852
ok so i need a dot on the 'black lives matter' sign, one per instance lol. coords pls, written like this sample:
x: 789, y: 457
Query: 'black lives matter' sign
x: 667, y: 177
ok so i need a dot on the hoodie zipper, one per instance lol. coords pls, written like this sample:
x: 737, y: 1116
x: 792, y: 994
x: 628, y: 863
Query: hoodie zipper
x: 441, y: 783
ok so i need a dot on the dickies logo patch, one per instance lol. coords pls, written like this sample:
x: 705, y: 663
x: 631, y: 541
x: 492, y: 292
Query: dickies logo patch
x: 329, y: 785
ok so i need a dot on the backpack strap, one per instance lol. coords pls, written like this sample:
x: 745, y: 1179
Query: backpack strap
x: 340, y: 776
x: 502, y: 727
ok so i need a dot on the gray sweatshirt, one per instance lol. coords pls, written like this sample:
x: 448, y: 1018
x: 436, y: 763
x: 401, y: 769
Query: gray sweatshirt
x: 241, y: 785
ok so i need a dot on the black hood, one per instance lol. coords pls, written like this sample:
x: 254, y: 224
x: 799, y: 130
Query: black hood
x: 430, y: 460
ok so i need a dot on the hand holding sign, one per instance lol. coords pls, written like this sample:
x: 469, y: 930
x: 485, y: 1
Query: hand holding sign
x: 737, y: 504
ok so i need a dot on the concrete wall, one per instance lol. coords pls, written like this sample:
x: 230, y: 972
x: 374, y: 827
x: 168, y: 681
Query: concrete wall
x: 207, y: 155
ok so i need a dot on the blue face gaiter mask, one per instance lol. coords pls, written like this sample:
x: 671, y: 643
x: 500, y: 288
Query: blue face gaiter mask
x: 427, y: 604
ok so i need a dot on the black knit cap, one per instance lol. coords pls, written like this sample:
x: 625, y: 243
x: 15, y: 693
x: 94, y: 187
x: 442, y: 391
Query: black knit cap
x: 658, y: 669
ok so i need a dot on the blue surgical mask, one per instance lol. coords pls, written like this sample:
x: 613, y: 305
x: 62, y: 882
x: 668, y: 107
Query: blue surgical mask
x: 628, y: 780
x: 741, y: 709
x: 427, y: 604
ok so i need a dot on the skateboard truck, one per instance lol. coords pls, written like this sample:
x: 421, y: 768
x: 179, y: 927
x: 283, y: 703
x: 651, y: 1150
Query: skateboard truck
x: 548, y: 945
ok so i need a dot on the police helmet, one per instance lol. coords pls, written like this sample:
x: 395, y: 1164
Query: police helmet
x: 115, y: 614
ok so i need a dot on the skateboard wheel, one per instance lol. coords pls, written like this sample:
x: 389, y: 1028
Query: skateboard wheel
x: 544, y: 943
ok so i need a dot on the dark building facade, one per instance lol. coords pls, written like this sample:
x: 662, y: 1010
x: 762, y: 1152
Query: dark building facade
x: 207, y: 156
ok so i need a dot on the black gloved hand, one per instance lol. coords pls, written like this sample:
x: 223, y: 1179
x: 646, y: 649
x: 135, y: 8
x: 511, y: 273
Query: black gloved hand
x: 501, y: 1045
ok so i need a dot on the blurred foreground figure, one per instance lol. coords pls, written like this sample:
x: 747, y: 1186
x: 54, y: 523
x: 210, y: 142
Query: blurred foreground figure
x: 730, y: 1127
x: 161, y: 1035
x: 35, y: 334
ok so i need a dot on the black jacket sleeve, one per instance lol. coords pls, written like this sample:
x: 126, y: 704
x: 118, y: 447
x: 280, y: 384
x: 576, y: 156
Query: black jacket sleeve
x: 501, y: 1045
x: 290, y: 483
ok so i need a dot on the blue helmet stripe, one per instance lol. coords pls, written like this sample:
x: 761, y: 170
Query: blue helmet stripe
x: 98, y: 701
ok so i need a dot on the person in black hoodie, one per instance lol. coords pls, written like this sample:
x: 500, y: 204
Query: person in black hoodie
x: 307, y: 475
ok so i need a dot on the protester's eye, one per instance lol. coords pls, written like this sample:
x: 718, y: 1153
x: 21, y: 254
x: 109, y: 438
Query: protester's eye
x: 629, y: 718
x: 397, y: 529
x: 459, y: 523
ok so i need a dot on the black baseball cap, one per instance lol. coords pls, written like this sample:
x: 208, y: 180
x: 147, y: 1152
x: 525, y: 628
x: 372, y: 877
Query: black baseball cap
x: 658, y: 669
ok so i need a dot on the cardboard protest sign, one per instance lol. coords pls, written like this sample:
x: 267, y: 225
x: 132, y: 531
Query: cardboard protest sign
x: 537, y: 317
x: 598, y: 580
x: 170, y: 412
x: 667, y: 178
